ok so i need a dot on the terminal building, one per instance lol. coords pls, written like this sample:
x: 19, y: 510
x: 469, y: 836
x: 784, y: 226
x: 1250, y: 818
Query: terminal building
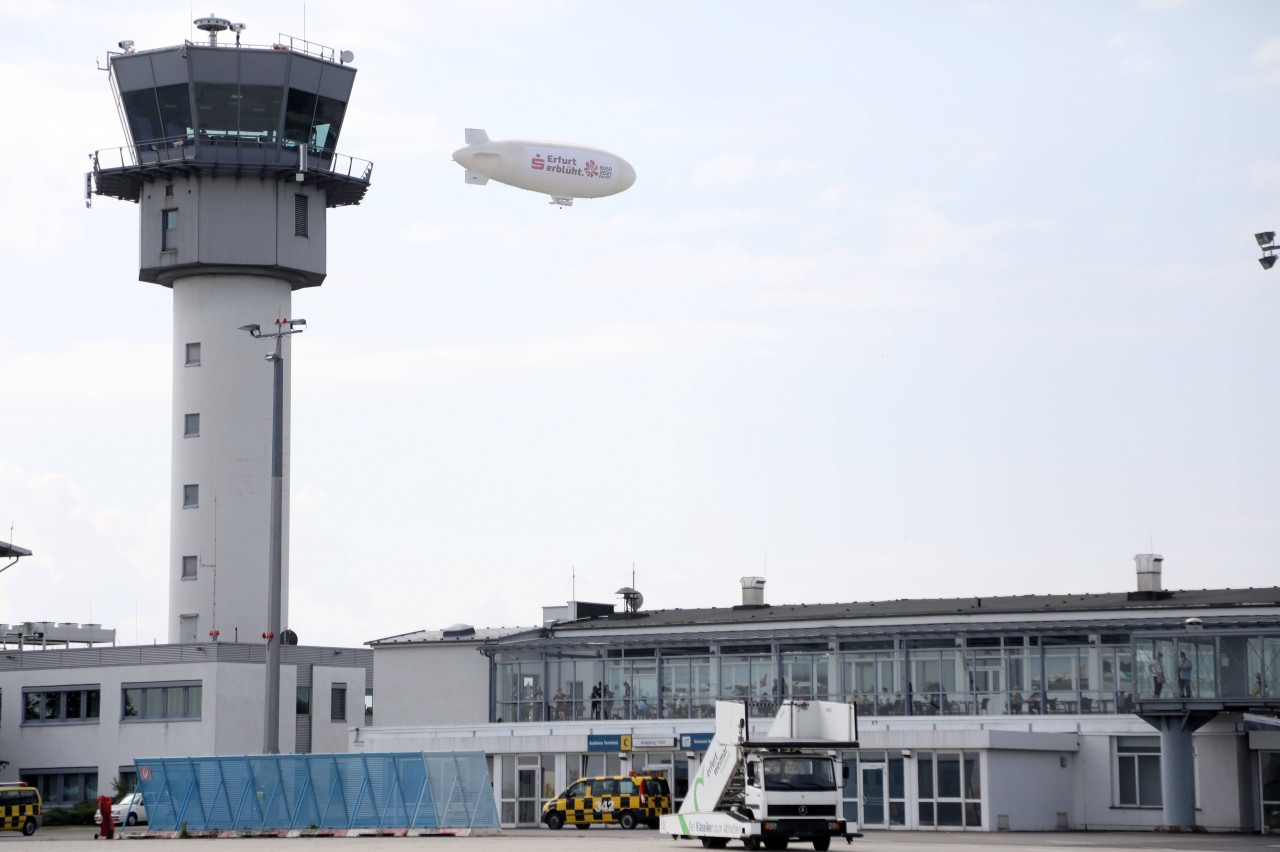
x: 1027, y: 713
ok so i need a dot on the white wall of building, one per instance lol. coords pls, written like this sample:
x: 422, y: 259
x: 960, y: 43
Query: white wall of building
x: 1223, y: 784
x: 328, y: 734
x: 430, y: 684
x: 1028, y: 789
x: 231, y: 718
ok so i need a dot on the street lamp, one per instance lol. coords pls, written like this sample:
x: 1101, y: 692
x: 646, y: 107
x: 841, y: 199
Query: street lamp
x: 284, y: 327
x: 1266, y: 242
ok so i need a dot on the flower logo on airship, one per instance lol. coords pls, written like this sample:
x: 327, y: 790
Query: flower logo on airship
x: 591, y: 169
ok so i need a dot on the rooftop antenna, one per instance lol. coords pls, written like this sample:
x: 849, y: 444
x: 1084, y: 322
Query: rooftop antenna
x: 213, y: 25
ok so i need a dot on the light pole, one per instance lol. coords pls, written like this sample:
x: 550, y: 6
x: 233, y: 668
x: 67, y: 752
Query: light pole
x: 271, y: 733
x: 1266, y: 242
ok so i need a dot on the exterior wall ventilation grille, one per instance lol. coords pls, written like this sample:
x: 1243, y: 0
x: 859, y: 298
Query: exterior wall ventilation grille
x: 300, y: 215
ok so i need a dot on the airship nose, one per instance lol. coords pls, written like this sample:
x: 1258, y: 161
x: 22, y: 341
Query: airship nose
x: 626, y: 175
x: 463, y: 156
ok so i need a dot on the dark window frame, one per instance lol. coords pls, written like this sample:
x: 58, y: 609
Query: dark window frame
x: 53, y: 705
x: 152, y: 702
x: 338, y: 702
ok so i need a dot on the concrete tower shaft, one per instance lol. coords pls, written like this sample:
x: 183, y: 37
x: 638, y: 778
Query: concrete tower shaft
x: 219, y: 547
x: 232, y: 160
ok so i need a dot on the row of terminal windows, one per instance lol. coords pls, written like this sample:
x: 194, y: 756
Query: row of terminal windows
x: 65, y: 704
x: 165, y: 701
x: 181, y: 700
x: 168, y: 701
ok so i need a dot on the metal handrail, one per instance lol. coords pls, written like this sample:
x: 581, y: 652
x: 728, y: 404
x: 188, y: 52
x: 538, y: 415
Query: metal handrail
x: 182, y: 149
x: 282, y: 42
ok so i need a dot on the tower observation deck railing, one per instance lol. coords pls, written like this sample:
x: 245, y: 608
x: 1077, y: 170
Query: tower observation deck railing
x: 282, y: 42
x: 119, y: 172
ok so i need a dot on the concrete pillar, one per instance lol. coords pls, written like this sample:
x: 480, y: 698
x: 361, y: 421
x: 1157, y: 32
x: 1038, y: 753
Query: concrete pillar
x: 1177, y: 765
x: 1177, y: 776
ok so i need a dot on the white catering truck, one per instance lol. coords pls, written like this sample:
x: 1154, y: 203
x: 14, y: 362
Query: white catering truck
x: 772, y: 790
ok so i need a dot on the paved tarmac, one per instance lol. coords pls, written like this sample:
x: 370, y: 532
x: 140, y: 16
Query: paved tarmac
x: 642, y: 840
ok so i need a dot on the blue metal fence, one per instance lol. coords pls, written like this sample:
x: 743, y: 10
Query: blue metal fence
x: 324, y: 791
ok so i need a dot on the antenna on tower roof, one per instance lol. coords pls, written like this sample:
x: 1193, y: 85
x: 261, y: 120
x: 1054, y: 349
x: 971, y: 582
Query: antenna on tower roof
x: 213, y: 25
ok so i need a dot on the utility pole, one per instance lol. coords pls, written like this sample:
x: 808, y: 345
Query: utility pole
x: 284, y: 327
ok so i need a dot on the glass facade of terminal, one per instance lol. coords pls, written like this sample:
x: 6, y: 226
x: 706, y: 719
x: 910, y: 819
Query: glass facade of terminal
x: 934, y: 674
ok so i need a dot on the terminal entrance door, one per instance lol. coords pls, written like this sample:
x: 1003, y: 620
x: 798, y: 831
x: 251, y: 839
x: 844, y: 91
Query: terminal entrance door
x: 528, y: 800
x: 872, y: 800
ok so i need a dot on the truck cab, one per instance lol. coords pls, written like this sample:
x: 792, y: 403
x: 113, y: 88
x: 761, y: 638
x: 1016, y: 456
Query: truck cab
x: 794, y: 796
x: 772, y: 790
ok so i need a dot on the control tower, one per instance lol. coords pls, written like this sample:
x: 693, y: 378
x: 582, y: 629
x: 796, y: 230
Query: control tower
x: 233, y: 162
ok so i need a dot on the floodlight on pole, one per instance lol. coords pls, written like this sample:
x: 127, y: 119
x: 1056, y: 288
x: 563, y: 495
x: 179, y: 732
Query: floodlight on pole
x: 1267, y: 242
x: 284, y: 327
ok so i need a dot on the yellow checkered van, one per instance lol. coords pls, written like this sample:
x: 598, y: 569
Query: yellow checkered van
x: 625, y: 800
x: 20, y: 808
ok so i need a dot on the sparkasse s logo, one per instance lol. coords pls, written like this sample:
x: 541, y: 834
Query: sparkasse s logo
x: 538, y: 162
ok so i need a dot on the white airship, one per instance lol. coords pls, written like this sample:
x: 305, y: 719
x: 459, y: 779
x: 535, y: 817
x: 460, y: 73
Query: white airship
x: 560, y: 169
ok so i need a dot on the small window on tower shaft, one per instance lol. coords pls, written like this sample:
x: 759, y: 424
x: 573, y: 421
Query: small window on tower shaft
x: 193, y: 354
x: 189, y: 567
x: 190, y: 496
x: 169, y: 231
x: 191, y: 429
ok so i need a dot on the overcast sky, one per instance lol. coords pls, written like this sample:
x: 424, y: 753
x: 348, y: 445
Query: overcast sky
x: 909, y: 299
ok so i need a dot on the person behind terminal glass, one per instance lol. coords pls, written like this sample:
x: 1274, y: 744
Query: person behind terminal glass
x: 1259, y: 688
x: 1157, y: 675
x: 1184, y: 675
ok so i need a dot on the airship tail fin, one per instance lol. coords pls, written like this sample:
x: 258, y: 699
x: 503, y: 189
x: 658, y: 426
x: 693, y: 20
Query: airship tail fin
x: 473, y: 136
x: 472, y: 177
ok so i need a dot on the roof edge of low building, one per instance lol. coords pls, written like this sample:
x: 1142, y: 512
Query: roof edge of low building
x: 924, y: 607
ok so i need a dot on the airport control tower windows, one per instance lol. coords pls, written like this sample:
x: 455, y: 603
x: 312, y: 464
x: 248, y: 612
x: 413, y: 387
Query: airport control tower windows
x: 313, y: 119
x: 238, y: 114
x: 193, y: 354
x: 169, y: 230
x: 155, y: 114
